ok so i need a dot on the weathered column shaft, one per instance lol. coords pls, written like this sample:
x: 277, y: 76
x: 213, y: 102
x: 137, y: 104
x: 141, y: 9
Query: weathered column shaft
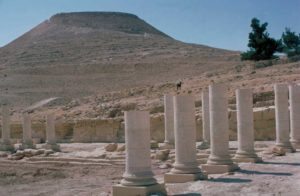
x: 50, y: 129
x: 169, y: 119
x: 245, y: 127
x: 27, y: 132
x: 219, y: 137
x: 5, y: 124
x: 185, y: 135
x: 219, y: 160
x: 137, y: 136
x: 294, y: 94
x: 205, y: 117
x: 282, y: 116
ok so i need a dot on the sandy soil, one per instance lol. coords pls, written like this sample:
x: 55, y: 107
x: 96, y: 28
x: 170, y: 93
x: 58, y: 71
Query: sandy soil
x: 276, y: 176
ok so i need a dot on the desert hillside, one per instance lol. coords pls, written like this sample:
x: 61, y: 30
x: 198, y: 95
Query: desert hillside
x: 74, y: 55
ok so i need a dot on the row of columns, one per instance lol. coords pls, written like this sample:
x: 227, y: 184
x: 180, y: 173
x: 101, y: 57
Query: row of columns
x: 27, y: 142
x: 287, y: 114
x: 138, y: 177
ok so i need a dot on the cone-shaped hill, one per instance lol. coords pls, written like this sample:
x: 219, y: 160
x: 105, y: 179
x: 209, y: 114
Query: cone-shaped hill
x: 79, y: 54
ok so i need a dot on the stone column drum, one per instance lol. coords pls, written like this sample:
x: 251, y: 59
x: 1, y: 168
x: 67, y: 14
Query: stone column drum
x: 27, y: 132
x: 186, y: 166
x: 5, y: 144
x: 219, y: 160
x: 205, y: 121
x: 138, y: 178
x: 282, y: 117
x: 50, y: 133
x: 245, y: 127
x: 294, y: 94
x: 169, y: 122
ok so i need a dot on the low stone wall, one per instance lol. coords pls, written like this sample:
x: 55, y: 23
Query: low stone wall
x: 264, y: 124
x: 112, y: 130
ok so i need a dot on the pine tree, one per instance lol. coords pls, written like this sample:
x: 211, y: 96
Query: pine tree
x: 291, y: 43
x: 262, y: 46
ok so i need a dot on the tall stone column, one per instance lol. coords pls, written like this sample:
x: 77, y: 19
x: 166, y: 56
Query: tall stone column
x: 50, y: 133
x: 245, y: 127
x: 186, y: 166
x: 205, y: 121
x: 169, y: 122
x: 27, y: 132
x: 282, y: 117
x: 138, y: 178
x: 219, y: 160
x: 5, y: 144
x: 294, y: 94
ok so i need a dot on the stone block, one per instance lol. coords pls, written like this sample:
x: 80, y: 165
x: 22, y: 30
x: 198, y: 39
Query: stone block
x: 182, y: 178
x: 268, y: 114
x: 157, y: 129
x: 120, y: 190
x: 219, y: 169
x: 247, y: 160
x: 257, y: 115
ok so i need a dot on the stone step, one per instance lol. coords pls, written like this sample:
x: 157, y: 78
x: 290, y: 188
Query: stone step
x: 79, y: 160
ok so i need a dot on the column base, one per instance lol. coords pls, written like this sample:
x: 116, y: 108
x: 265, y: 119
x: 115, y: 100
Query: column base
x: 230, y: 151
x: 247, y: 159
x: 54, y: 147
x: 286, y: 146
x: 295, y: 144
x: 7, y: 147
x: 248, y: 156
x: 121, y: 190
x: 182, y: 178
x: 219, y: 169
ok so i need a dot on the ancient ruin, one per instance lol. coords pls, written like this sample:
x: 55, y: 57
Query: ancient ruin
x: 294, y: 94
x: 205, y: 121
x: 50, y: 133
x: 186, y: 167
x: 138, y: 178
x: 282, y: 117
x: 104, y: 103
x: 219, y: 160
x: 27, y: 132
x: 169, y: 122
x: 246, y: 151
x: 5, y: 143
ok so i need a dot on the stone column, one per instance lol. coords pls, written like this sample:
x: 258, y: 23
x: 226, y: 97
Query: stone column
x: 50, y: 133
x: 27, y: 132
x: 245, y: 127
x: 205, y: 121
x: 169, y: 122
x: 138, y: 178
x: 282, y: 117
x: 294, y: 94
x: 186, y: 165
x: 219, y: 160
x: 5, y: 144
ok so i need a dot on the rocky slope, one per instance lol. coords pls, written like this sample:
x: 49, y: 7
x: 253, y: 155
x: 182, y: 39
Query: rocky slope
x: 72, y: 55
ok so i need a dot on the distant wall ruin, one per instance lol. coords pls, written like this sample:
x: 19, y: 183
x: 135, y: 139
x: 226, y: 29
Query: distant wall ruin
x: 112, y: 130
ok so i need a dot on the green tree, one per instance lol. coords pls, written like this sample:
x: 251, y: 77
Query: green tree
x: 291, y: 43
x: 262, y: 46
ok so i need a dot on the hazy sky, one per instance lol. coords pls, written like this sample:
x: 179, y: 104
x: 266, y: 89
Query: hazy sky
x: 218, y: 23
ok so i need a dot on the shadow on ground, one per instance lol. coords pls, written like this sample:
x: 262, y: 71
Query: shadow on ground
x: 279, y: 163
x: 230, y: 180
x: 264, y: 173
x: 188, y: 194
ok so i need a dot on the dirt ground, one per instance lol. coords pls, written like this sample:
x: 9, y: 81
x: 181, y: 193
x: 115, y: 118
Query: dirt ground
x: 276, y: 176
